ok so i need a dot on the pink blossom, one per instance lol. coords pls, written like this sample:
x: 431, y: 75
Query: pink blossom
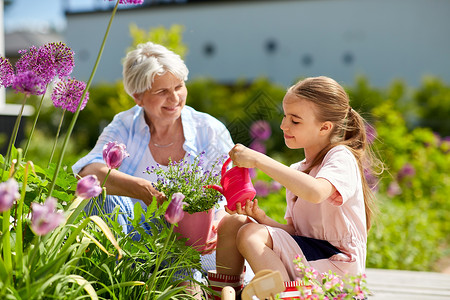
x: 174, y: 212
x: 262, y: 188
x: 113, y: 154
x: 260, y: 130
x: 44, y: 217
x: 394, y: 189
x: 67, y: 94
x: 6, y: 72
x: 88, y: 187
x: 9, y: 192
x: 258, y: 145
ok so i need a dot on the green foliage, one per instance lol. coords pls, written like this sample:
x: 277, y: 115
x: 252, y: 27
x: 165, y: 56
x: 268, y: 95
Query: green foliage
x: 85, y: 256
x: 433, y: 99
x: 171, y: 38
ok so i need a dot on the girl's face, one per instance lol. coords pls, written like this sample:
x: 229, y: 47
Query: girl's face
x: 299, y: 125
x: 165, y: 100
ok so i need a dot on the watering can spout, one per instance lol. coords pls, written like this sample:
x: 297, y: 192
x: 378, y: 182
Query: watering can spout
x: 216, y: 187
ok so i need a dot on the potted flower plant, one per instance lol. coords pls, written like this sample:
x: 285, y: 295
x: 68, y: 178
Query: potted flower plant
x: 188, y: 177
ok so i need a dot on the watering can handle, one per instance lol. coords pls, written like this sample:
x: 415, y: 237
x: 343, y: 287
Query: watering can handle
x: 225, y: 164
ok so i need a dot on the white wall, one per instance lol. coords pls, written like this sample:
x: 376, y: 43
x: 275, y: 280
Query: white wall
x: 385, y: 39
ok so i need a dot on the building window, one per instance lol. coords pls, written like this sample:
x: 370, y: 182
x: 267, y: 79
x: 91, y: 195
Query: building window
x: 307, y: 60
x: 348, y: 58
x: 271, y: 46
x: 209, y: 49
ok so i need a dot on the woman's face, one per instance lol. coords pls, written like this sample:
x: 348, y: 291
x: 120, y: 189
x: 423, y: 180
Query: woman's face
x: 166, y: 98
x: 299, y: 125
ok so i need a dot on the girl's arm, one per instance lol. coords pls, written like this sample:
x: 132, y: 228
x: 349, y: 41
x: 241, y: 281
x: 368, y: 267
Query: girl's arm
x: 121, y: 184
x: 311, y: 189
x: 252, y: 209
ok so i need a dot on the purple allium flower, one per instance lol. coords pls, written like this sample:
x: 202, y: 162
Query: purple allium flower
x: 37, y: 60
x: 135, y: 2
x: 88, y: 187
x: 113, y: 154
x: 29, y: 83
x: 252, y: 172
x: 6, y: 72
x: 406, y: 171
x: 260, y: 130
x: 371, y: 133
x: 9, y: 192
x: 259, y: 146
x: 371, y: 179
x: 67, y: 94
x: 262, y: 188
x: 44, y: 217
x: 61, y: 57
x: 275, y: 186
x: 393, y: 189
x: 174, y: 212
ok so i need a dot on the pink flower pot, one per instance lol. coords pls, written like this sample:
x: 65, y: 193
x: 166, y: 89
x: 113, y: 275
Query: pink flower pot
x: 197, y: 227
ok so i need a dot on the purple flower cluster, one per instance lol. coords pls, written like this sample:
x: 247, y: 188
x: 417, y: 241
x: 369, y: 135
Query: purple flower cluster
x: 36, y: 68
x: 135, y: 2
x: 6, y: 72
x: 67, y: 94
x: 260, y: 131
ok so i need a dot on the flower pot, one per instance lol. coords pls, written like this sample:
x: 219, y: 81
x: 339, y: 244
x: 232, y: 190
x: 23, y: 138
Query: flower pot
x: 197, y: 227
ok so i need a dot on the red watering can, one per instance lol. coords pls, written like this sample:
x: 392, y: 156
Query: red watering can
x: 236, y: 185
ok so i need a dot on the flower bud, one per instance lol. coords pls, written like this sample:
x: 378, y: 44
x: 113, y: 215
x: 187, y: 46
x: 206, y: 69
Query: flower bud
x: 88, y: 187
x: 9, y: 192
x: 113, y: 154
x: 174, y: 212
x: 44, y: 217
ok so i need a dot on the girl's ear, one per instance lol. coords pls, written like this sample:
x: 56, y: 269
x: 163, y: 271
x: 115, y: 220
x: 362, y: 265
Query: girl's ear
x: 326, y: 128
x: 137, y: 99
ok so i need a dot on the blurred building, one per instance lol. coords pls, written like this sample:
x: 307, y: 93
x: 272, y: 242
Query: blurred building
x: 279, y: 39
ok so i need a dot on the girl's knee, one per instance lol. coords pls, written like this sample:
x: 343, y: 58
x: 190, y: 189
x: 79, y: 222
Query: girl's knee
x: 251, y: 234
x: 230, y: 225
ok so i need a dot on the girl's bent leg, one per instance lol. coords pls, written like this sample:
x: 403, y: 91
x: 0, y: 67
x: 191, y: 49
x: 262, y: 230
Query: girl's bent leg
x: 255, y: 244
x: 229, y: 260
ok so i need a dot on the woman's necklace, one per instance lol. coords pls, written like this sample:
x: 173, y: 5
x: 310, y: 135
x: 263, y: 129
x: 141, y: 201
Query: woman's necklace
x: 163, y: 146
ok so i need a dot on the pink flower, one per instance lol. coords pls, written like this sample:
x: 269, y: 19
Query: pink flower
x: 275, y: 186
x: 88, y: 187
x: 6, y: 72
x: 9, y: 192
x: 260, y: 130
x: 258, y: 145
x: 174, y: 212
x: 67, y: 94
x: 113, y: 154
x: 135, y: 2
x: 44, y: 217
x: 262, y: 188
x: 28, y: 83
x: 393, y: 189
x: 371, y: 133
x: 406, y: 171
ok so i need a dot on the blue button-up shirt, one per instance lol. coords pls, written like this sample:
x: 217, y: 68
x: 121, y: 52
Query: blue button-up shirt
x: 202, y: 132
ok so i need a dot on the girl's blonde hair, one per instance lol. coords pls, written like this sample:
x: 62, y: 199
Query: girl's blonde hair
x: 332, y: 104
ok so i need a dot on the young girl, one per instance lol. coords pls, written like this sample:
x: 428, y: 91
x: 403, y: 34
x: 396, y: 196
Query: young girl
x: 329, y: 203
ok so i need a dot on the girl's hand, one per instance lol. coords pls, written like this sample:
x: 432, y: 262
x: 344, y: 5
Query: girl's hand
x: 251, y: 209
x: 243, y: 157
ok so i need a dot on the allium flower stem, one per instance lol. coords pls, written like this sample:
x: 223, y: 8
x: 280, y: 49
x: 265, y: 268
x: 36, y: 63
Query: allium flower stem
x: 34, y: 126
x: 77, y: 112
x: 19, y: 232
x: 6, y: 239
x: 56, y: 139
x: 12, y: 140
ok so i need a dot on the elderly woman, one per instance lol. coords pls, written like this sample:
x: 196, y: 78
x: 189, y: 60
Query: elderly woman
x: 160, y: 127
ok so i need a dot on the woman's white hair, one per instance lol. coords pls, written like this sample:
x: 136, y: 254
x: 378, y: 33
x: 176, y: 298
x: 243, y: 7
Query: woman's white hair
x: 141, y: 65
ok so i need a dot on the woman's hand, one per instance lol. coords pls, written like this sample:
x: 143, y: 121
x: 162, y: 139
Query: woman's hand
x: 250, y: 209
x: 244, y: 157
